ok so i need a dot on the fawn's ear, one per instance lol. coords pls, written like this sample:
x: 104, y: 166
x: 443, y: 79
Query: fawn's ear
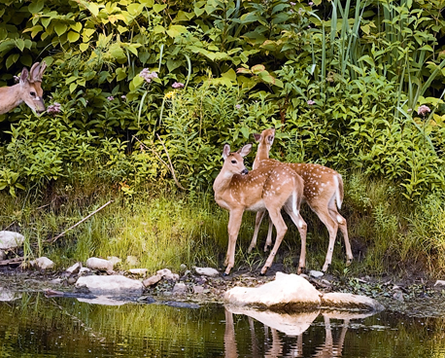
x: 226, y: 151
x: 257, y: 137
x: 271, y: 137
x: 245, y: 150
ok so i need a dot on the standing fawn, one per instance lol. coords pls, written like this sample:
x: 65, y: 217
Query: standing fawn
x: 323, y: 192
x: 268, y: 188
x: 28, y: 90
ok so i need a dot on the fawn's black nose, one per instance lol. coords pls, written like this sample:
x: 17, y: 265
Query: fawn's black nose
x: 244, y: 172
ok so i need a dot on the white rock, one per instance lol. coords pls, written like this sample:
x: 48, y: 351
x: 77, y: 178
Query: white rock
x: 75, y: 268
x: 138, y: 272
x: 349, y: 301
x: 166, y: 274
x: 110, y: 285
x: 95, y: 263
x: 10, y: 239
x: 42, y: 263
x: 285, y: 293
x: 206, y: 271
x: 440, y: 283
x: 316, y: 274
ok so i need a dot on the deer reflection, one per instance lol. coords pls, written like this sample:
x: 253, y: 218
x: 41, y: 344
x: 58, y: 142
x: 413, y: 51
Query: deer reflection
x: 292, y: 325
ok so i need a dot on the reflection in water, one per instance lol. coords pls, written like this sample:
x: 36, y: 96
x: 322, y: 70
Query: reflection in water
x: 293, y: 325
x: 32, y: 325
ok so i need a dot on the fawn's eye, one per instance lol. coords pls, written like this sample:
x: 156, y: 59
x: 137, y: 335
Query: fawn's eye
x: 233, y: 161
x: 33, y: 94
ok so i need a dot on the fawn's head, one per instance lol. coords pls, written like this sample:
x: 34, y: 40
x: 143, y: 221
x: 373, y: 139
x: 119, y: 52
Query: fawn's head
x: 31, y: 87
x: 234, y: 162
x: 266, y: 137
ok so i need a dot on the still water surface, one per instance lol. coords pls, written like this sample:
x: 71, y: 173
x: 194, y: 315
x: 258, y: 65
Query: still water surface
x: 36, y: 326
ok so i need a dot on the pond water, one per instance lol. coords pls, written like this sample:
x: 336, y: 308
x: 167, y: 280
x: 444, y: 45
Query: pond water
x: 33, y: 325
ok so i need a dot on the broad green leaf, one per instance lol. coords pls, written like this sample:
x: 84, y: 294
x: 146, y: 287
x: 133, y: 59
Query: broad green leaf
x: 12, y: 59
x: 176, y: 30
x: 77, y: 26
x: 158, y: 8
x: 20, y: 44
x: 121, y: 73
x: 60, y: 28
x: 117, y: 52
x: 73, y: 36
x: 230, y: 75
x: 84, y: 46
x: 36, y: 6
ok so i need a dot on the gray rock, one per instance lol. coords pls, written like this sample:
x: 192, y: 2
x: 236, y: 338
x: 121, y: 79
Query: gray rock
x: 180, y: 288
x: 166, y: 274
x: 74, y: 269
x: 8, y: 295
x: 316, y: 274
x: 151, y: 281
x: 349, y: 301
x: 206, y: 271
x: 10, y: 240
x: 138, y: 272
x: 43, y: 263
x: 95, y: 263
x: 110, y: 285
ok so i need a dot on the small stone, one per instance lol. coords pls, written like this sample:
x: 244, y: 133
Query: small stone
x: 95, y: 263
x: 42, y: 263
x: 206, y: 271
x: 166, y: 274
x: 316, y: 274
x: 2, y: 255
x: 180, y: 288
x: 84, y: 271
x: 151, y: 281
x: 138, y: 272
x: 74, y: 269
x: 440, y: 283
x: 198, y: 290
x: 398, y: 295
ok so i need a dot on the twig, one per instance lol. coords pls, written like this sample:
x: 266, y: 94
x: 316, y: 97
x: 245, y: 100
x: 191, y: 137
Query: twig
x: 78, y: 223
x: 153, y: 151
x: 171, y: 165
x: 13, y: 261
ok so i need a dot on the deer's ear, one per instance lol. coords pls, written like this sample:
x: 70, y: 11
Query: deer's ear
x: 271, y: 137
x: 245, y: 150
x: 24, y: 75
x: 226, y: 151
x: 257, y: 137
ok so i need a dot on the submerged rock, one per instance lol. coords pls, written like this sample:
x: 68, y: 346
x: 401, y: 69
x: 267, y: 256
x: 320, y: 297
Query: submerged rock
x: 10, y: 239
x: 110, y: 285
